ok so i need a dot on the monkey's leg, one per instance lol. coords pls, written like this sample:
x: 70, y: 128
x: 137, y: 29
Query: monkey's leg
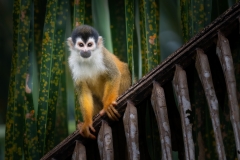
x: 86, y: 104
x: 109, y: 99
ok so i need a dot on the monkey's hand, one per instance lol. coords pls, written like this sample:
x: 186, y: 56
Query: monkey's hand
x: 111, y: 111
x: 85, y: 128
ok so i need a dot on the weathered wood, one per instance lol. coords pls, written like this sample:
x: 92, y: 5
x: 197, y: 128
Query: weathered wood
x: 162, y: 73
x: 204, y: 72
x: 160, y: 109
x: 79, y: 152
x: 182, y: 97
x: 130, y: 121
x: 105, y: 143
x: 225, y: 57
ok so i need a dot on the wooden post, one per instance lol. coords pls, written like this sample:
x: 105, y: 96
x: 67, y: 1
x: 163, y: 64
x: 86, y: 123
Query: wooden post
x: 160, y: 109
x: 182, y: 97
x: 205, y: 76
x: 79, y: 152
x: 105, y: 142
x: 224, y: 54
x: 130, y: 121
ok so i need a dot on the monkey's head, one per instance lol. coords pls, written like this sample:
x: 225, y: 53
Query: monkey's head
x: 84, y: 41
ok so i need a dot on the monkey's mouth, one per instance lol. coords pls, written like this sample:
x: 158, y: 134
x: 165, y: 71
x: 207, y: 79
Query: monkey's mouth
x: 85, y: 54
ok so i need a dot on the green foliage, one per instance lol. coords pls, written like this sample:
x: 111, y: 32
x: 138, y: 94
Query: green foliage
x: 129, y: 19
x: 100, y: 14
x: 30, y: 139
x: 21, y: 77
x: 195, y: 15
x: 47, y: 65
x: 57, y: 69
x: 11, y: 103
x: 61, y: 123
x: 149, y: 12
x: 39, y: 14
x: 118, y: 27
x: 23, y: 134
x: 79, y: 13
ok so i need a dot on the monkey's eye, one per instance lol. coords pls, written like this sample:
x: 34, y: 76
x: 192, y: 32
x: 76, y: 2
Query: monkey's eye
x: 89, y: 44
x: 80, y: 44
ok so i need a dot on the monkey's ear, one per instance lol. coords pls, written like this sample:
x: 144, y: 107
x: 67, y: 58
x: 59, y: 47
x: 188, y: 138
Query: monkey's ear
x: 70, y: 42
x: 100, y: 41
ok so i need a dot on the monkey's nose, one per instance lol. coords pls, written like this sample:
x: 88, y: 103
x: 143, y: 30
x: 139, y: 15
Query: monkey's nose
x: 85, y: 54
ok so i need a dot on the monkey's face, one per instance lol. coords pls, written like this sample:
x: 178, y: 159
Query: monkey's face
x: 84, y: 42
x: 85, y: 48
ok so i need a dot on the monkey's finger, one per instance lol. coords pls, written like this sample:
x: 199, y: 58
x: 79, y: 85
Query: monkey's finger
x: 110, y: 110
x: 114, y: 103
x: 82, y: 133
x: 91, y: 136
x: 111, y: 114
x: 115, y: 112
x: 87, y: 134
x: 92, y: 129
x: 102, y: 112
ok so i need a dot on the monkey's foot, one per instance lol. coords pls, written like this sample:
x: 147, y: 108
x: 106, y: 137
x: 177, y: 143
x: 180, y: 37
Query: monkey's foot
x: 111, y: 112
x: 85, y: 130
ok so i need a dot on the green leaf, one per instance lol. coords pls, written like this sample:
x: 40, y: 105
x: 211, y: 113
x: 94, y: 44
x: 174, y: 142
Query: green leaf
x: 195, y: 15
x: 149, y: 25
x: 20, y: 64
x: 45, y: 74
x: 30, y: 139
x: 118, y: 29
x: 56, y: 71
x: 129, y: 18
x: 21, y: 76
x: 79, y: 13
x: 136, y: 57
x: 39, y: 14
x: 61, y: 124
x: 88, y: 13
x: 101, y: 22
x: 11, y: 94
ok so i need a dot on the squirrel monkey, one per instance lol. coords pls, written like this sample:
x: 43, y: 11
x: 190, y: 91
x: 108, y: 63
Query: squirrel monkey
x: 99, y: 76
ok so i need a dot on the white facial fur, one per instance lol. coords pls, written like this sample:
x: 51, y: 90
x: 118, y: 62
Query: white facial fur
x: 86, y: 46
x: 84, y: 68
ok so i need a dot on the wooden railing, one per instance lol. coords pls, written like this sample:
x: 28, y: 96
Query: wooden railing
x: 124, y: 135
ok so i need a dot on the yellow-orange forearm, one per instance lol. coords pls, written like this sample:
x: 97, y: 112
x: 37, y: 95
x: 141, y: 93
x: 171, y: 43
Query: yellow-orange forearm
x: 110, y: 92
x: 86, y: 103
